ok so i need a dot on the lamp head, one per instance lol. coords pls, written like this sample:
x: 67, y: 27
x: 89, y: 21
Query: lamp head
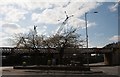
x: 96, y: 12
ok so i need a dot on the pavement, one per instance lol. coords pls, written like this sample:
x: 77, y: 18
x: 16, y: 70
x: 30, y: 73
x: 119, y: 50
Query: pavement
x: 109, y: 70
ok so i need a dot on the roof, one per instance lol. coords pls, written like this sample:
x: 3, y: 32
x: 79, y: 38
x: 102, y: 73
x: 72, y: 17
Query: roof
x: 53, y: 50
x: 27, y: 50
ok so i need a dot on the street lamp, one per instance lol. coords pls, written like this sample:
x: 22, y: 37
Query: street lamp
x: 87, y: 35
x: 86, y: 27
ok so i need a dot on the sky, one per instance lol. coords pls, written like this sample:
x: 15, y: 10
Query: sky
x: 19, y: 16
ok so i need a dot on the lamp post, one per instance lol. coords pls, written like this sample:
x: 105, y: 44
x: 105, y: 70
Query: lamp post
x: 86, y: 29
x: 86, y: 25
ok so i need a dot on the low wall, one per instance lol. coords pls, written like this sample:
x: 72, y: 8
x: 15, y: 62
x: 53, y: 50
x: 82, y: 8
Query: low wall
x: 70, y: 68
x: 59, y: 76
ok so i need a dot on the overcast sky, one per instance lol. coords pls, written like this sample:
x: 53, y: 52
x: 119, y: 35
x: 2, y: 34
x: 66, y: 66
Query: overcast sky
x: 19, y: 16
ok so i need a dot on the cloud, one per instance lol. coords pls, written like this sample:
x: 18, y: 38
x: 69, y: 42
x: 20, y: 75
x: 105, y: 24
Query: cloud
x: 75, y: 22
x: 92, y: 24
x: 12, y: 28
x: 15, y: 10
x: 32, y: 4
x: 80, y: 23
x: 42, y: 30
x: 115, y: 38
x: 51, y: 16
x: 12, y: 14
x: 2, y: 35
x: 57, y: 1
x: 10, y: 25
x: 94, y: 46
x: 48, y: 16
x: 113, y: 7
x: 1, y: 22
x: 6, y: 41
x: 7, y: 32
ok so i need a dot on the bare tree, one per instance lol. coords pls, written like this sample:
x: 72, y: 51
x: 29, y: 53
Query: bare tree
x: 69, y: 39
x: 19, y: 40
x: 28, y: 40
